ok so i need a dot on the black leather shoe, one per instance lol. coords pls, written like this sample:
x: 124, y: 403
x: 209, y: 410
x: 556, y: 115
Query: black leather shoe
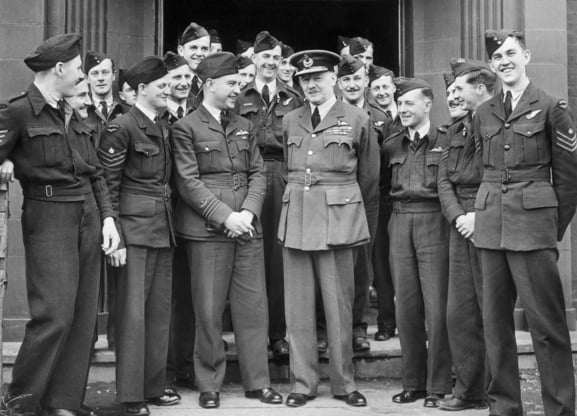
x: 361, y: 344
x: 51, y: 411
x: 322, y: 346
x: 280, y: 349
x: 267, y: 395
x: 456, y: 404
x: 136, y: 409
x: 353, y: 399
x: 383, y: 335
x: 169, y: 398
x: 86, y: 411
x: 432, y: 399
x: 298, y: 399
x: 209, y: 399
x: 409, y: 396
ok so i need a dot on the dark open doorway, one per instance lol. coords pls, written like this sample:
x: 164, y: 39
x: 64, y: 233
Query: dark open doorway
x: 303, y: 24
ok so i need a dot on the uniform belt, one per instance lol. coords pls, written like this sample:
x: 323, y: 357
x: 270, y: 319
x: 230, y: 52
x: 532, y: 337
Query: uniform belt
x: 417, y: 206
x: 235, y: 180
x: 162, y: 191
x: 517, y: 175
x: 467, y: 191
x: 48, y: 191
x: 322, y: 178
x: 268, y: 155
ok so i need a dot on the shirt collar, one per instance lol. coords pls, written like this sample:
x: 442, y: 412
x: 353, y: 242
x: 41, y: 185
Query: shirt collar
x: 423, y: 131
x: 215, y: 112
x: 173, y: 106
x: 360, y: 104
x: 516, y: 92
x: 325, y: 107
x: 109, y: 101
x: 150, y: 114
x: 271, y: 86
x: 51, y: 99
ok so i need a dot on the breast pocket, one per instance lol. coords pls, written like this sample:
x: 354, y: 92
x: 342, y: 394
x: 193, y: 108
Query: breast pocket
x: 46, y: 145
x: 206, y: 154
x: 490, y: 147
x: 148, y: 156
x: 529, y: 143
x: 85, y: 140
x: 396, y: 164
x: 455, y: 154
x: 340, y: 150
x: 294, y: 153
x: 432, y: 160
x: 347, y: 223
x: 242, y: 148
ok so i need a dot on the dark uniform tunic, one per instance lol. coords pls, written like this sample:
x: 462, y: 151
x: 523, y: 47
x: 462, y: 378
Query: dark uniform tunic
x: 267, y: 122
x: 332, y: 171
x: 64, y: 190
x: 217, y: 172
x: 460, y: 174
x: 136, y: 156
x: 523, y: 207
x: 419, y: 259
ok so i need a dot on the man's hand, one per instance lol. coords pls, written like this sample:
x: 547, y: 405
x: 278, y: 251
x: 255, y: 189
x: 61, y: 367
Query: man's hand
x: 238, y: 223
x: 110, y: 236
x: 7, y: 171
x: 466, y: 224
x: 117, y: 258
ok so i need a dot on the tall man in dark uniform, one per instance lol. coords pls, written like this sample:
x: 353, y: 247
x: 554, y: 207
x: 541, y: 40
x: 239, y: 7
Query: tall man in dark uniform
x: 419, y: 254
x: 332, y: 173
x: 219, y: 174
x: 65, y: 197
x: 382, y: 89
x: 460, y: 174
x: 525, y: 202
x: 353, y: 83
x: 264, y: 102
x: 136, y: 155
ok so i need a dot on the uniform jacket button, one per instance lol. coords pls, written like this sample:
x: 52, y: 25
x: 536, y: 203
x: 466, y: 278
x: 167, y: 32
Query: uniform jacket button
x: 504, y: 189
x: 313, y: 135
x: 507, y: 125
x: 507, y: 147
x: 310, y: 152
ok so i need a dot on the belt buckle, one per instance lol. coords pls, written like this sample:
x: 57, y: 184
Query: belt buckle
x: 308, y: 179
x: 505, y: 176
x: 235, y: 181
x: 48, y: 191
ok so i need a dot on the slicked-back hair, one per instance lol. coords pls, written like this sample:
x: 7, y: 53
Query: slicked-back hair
x: 483, y: 76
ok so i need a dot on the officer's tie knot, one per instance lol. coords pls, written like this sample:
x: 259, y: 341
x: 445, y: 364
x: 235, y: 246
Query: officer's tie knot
x: 104, y: 108
x: 508, y: 104
x: 179, y: 112
x: 224, y: 119
x: 266, y: 94
x: 315, y: 118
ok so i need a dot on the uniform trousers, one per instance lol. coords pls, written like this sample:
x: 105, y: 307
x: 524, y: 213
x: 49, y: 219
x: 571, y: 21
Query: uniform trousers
x: 465, y: 320
x: 383, y: 280
x: 63, y: 261
x: 534, y: 277
x: 272, y: 205
x: 218, y: 269
x: 182, y: 329
x: 419, y: 261
x: 332, y: 270
x: 143, y: 323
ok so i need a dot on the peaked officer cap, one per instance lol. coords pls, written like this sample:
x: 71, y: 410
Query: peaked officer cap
x: 314, y: 60
x: 60, y: 48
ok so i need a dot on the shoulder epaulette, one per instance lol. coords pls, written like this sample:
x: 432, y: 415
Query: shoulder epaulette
x: 21, y: 95
x: 444, y: 128
x: 394, y: 135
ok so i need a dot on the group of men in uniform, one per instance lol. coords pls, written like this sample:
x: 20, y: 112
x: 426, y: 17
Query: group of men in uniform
x: 288, y: 200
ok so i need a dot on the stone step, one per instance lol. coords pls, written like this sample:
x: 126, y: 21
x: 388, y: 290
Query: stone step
x: 383, y: 359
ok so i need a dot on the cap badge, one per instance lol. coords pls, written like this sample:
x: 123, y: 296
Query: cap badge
x: 308, y: 62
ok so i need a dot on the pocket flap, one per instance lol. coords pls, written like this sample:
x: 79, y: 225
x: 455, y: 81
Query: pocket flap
x: 243, y: 145
x: 295, y: 140
x: 489, y: 131
x: 539, y: 195
x: 81, y: 128
x: 136, y: 205
x: 248, y: 109
x: 432, y: 158
x: 205, y: 147
x: 147, y: 149
x: 396, y: 160
x: 529, y: 129
x: 34, y: 131
x: 338, y: 140
x: 343, y: 196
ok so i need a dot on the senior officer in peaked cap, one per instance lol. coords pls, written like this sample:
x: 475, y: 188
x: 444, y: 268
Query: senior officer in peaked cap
x: 219, y: 174
x: 332, y: 171
x: 525, y: 203
x: 264, y: 102
x: 136, y: 155
x: 419, y: 246
x: 65, y: 197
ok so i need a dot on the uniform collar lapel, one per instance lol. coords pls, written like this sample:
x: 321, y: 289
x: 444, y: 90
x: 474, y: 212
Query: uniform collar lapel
x: 528, y: 97
x: 335, y: 113
x: 207, y: 118
x: 146, y: 124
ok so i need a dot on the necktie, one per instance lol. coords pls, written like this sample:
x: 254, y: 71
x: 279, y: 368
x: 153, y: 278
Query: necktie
x: 61, y: 108
x: 416, y: 139
x: 508, y: 104
x: 315, y: 118
x: 223, y: 119
x: 104, y: 109
x: 194, y: 87
x: 179, y: 112
x: 388, y: 112
x: 266, y: 94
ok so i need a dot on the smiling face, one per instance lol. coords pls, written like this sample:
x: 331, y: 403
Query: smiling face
x: 383, y: 90
x: 180, y: 82
x: 247, y: 75
x: 414, y: 108
x: 367, y: 56
x: 154, y: 94
x: 318, y: 87
x: 455, y: 109
x: 80, y: 101
x: 467, y: 94
x: 100, y: 78
x: 224, y: 91
x: 195, y: 51
x: 353, y: 86
x: 286, y: 71
x: 69, y: 74
x: 267, y: 63
x: 510, y: 62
